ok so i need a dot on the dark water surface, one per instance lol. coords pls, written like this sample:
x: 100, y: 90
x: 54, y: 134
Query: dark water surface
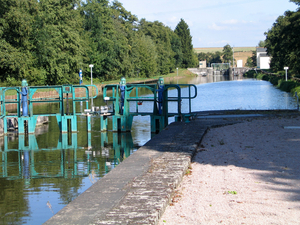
x: 41, y: 173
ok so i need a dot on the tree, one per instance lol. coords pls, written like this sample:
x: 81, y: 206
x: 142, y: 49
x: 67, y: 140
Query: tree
x: 227, y: 54
x: 176, y: 47
x: 161, y: 37
x: 261, y: 44
x: 16, y: 33
x: 282, y: 42
x: 183, y: 32
x: 59, y: 46
x: 144, y: 56
x: 297, y: 2
x: 210, y: 57
x: 48, y: 41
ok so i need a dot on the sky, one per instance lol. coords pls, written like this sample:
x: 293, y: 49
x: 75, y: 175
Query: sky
x: 215, y: 23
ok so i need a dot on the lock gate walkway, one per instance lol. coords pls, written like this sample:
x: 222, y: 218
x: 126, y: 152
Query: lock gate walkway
x: 139, y: 189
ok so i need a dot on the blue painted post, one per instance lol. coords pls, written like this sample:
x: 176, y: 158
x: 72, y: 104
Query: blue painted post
x: 122, y: 88
x: 24, y: 93
x: 160, y: 90
x: 80, y: 77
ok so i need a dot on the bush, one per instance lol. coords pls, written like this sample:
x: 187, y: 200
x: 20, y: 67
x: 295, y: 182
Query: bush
x: 275, y: 80
x: 296, y: 89
x: 250, y: 74
x: 281, y: 73
x: 287, y: 85
x: 262, y: 76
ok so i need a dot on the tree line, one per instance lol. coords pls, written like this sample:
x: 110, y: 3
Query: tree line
x: 226, y: 56
x: 47, y: 42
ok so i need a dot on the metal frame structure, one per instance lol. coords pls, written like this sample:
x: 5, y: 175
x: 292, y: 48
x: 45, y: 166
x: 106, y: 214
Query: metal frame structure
x: 122, y: 119
x: 65, y: 93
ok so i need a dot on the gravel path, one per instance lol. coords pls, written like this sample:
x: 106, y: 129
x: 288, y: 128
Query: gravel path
x: 246, y: 173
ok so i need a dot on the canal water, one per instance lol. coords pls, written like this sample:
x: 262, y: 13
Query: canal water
x: 42, y: 173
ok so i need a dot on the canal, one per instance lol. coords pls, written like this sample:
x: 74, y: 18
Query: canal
x: 41, y: 173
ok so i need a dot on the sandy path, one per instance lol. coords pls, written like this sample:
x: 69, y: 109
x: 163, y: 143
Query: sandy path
x: 245, y: 173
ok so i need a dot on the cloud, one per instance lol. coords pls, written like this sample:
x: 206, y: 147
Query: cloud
x: 214, y: 26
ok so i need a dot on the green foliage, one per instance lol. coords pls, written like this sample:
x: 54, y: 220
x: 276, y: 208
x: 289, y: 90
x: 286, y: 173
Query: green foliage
x: 160, y: 36
x: 48, y: 41
x: 254, y: 58
x: 297, y: 2
x: 296, y: 89
x: 183, y: 32
x: 283, y: 42
x: 249, y: 62
x: 210, y: 57
x: 250, y: 74
x: 261, y: 44
x: 262, y: 76
x: 287, y: 85
x: 59, y: 46
x: 145, y: 56
x: 227, y: 54
x: 275, y: 80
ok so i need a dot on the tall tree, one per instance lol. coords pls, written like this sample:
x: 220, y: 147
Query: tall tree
x: 176, y: 47
x: 282, y: 42
x: 227, y: 54
x: 144, y: 56
x: 183, y: 32
x: 59, y: 47
x: 161, y: 36
x: 111, y: 30
x: 16, y: 33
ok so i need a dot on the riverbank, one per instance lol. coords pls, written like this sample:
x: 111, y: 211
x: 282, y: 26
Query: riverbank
x: 139, y: 189
x: 291, y: 85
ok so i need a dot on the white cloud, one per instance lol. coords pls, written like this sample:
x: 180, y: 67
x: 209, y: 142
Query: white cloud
x: 214, y: 26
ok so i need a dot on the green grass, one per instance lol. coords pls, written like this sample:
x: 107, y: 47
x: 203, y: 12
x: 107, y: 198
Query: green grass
x: 181, y: 72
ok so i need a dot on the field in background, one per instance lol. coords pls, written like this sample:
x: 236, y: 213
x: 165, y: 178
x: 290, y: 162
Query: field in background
x: 220, y: 49
x: 240, y: 53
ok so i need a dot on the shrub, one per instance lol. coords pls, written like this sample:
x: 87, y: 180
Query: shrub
x: 287, y: 85
x: 262, y: 76
x: 250, y: 74
x: 296, y: 89
x: 275, y: 80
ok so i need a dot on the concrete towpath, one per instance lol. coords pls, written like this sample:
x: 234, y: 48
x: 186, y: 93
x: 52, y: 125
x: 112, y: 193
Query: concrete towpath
x: 139, y: 189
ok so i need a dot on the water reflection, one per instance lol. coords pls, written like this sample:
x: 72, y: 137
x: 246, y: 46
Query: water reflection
x: 37, y: 182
